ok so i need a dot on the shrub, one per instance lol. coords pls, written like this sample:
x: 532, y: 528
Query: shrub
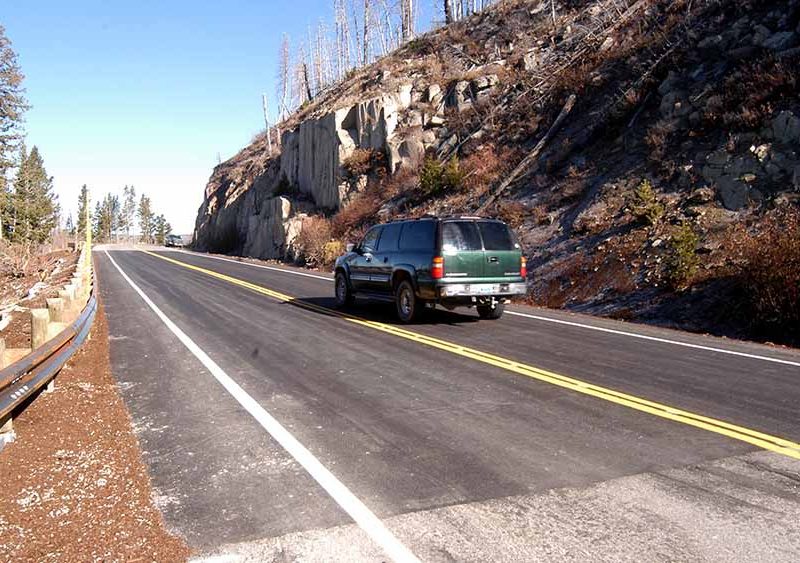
x: 436, y: 178
x: 360, y: 212
x: 768, y: 272
x: 645, y: 204
x: 15, y: 258
x: 512, y: 212
x: 363, y: 161
x: 682, y: 260
x: 313, y: 240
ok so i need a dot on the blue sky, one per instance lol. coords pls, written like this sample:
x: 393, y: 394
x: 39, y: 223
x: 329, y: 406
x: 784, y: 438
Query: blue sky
x: 148, y: 92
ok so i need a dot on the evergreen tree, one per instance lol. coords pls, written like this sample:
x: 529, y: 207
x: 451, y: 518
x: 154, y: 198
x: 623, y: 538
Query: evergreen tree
x: 128, y: 215
x: 83, y: 203
x: 12, y: 104
x: 146, y: 219
x: 69, y: 226
x: 162, y: 229
x: 33, y: 204
x: 106, y: 218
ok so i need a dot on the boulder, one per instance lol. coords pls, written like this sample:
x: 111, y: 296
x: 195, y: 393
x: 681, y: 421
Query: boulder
x: 675, y: 104
x: 780, y: 41
x: 760, y: 34
x: 715, y: 165
x: 796, y: 178
x: 732, y: 192
x: 530, y: 61
x: 786, y: 128
x: 701, y: 196
x: 711, y: 43
x: 434, y: 93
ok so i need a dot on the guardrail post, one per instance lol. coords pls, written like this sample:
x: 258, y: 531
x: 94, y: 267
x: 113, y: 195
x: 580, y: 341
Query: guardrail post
x: 67, y: 295
x: 56, y: 308
x: 6, y: 431
x: 2, y: 353
x: 40, y: 318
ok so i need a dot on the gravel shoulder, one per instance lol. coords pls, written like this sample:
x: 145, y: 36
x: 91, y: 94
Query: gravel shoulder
x: 74, y: 487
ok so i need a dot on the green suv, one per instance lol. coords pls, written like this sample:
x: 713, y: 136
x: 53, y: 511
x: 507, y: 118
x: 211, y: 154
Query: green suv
x: 452, y: 261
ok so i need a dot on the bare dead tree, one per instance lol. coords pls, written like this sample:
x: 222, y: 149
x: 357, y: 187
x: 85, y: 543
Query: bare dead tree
x: 407, y: 20
x: 365, y: 38
x: 284, y: 78
x: 449, y: 15
x: 265, y: 104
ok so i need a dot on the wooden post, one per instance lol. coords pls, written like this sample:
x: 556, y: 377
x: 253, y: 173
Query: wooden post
x: 2, y: 353
x: 6, y: 427
x: 40, y: 318
x: 56, y: 308
x: 66, y: 296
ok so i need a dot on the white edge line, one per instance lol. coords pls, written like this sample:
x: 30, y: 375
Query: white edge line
x: 655, y: 339
x: 547, y: 319
x: 357, y: 510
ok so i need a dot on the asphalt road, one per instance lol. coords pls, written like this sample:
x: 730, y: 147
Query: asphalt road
x: 452, y: 454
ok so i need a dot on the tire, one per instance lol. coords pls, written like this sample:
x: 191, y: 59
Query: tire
x: 342, y: 291
x: 406, y: 302
x: 486, y: 311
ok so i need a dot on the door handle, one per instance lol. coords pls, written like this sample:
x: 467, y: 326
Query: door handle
x: 493, y: 258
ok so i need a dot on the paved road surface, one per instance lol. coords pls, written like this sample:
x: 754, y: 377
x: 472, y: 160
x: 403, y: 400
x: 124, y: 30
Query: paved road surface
x: 270, y: 427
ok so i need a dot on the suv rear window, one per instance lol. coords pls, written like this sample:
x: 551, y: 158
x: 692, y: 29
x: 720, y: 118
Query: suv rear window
x: 418, y: 235
x: 460, y: 235
x: 497, y: 236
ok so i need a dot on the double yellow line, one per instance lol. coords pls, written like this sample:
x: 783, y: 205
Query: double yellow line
x: 759, y: 439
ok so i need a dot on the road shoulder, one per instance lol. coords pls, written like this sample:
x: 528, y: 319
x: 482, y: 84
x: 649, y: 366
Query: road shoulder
x: 74, y: 486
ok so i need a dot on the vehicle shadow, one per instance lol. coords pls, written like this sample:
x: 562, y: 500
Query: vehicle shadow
x: 383, y: 312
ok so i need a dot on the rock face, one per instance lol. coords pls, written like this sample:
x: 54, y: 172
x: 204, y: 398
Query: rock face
x: 258, y: 210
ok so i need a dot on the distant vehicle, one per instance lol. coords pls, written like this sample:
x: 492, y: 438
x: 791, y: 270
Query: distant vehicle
x: 451, y: 261
x: 173, y: 240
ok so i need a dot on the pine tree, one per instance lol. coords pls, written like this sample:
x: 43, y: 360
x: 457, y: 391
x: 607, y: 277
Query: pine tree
x: 106, y: 218
x: 33, y: 203
x: 128, y: 214
x: 146, y: 219
x: 12, y: 104
x: 162, y: 229
x: 69, y: 226
x: 83, y: 203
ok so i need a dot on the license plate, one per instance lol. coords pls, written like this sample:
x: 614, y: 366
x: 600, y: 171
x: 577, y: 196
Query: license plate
x: 485, y: 289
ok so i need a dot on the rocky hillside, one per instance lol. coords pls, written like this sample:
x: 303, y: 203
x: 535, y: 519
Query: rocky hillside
x: 645, y: 150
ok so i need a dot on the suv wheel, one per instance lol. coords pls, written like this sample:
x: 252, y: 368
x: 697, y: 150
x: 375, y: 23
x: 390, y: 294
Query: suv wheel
x: 486, y: 311
x: 344, y: 295
x: 406, y: 301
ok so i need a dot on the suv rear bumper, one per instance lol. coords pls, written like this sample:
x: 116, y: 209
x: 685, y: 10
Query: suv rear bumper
x: 480, y: 289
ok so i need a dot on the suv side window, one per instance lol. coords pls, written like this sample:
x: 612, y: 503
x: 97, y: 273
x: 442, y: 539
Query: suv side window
x: 390, y: 237
x: 370, y: 241
x: 418, y: 235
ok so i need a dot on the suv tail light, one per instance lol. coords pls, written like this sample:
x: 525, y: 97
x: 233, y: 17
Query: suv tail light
x: 437, y: 268
x: 523, y: 267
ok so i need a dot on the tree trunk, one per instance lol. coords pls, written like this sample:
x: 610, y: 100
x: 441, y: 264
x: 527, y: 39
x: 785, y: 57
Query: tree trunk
x: 365, y: 39
x: 448, y: 11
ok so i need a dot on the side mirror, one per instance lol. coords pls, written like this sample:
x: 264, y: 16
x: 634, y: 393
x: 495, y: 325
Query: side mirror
x: 349, y: 247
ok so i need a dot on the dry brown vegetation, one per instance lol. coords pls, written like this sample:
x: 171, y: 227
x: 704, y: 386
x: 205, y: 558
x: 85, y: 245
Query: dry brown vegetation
x: 768, y: 270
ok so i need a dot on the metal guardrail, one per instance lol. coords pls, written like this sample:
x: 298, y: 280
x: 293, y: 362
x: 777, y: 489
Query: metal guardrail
x: 22, y: 379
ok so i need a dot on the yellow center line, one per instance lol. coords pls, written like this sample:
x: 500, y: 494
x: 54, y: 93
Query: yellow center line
x: 760, y: 439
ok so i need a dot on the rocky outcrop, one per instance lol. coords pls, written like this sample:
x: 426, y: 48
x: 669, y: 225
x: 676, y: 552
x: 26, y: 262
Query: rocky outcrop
x: 258, y: 210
